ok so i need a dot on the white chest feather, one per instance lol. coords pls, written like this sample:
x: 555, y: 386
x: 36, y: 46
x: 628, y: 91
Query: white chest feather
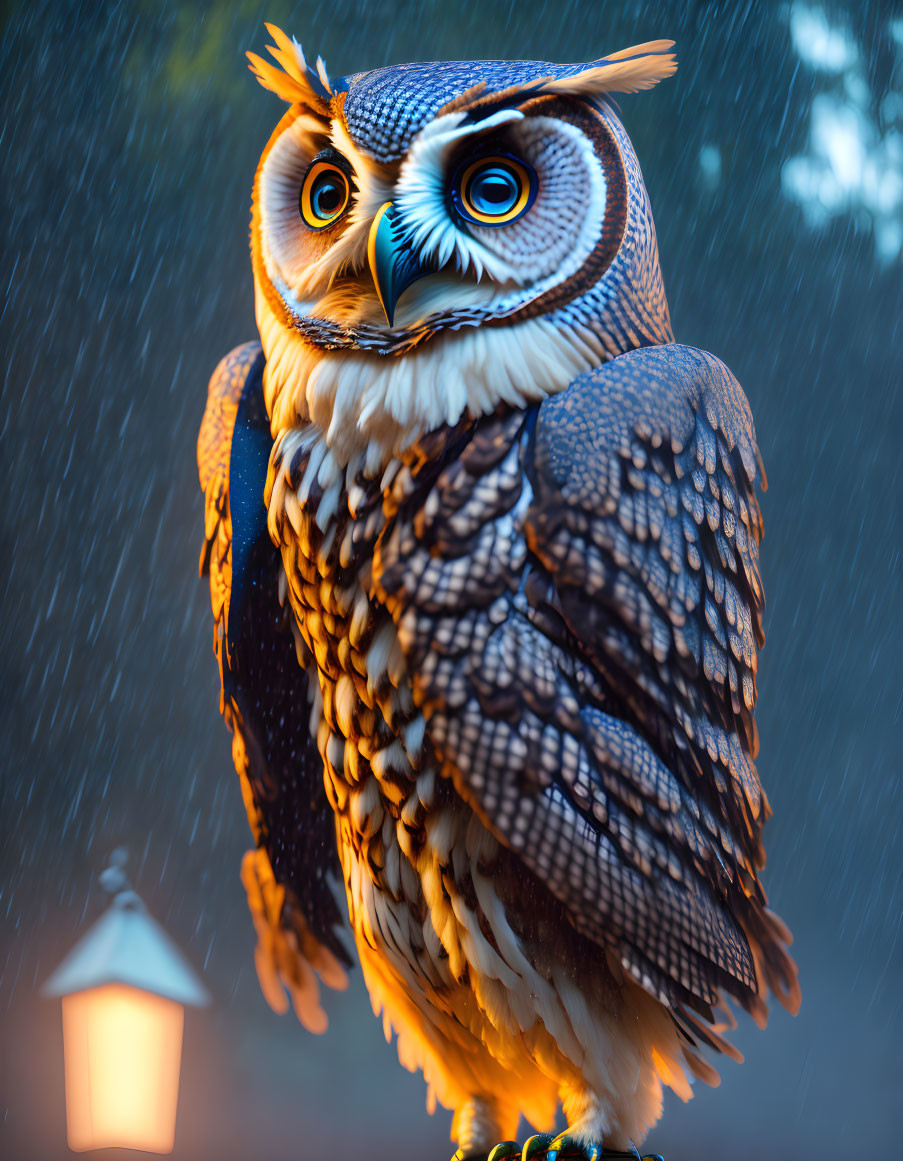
x: 371, y: 407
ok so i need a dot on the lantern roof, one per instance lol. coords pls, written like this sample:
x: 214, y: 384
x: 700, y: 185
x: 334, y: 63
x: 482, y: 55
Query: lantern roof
x: 127, y: 946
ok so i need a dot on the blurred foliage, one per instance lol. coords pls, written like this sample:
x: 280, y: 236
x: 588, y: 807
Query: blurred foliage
x: 197, y: 51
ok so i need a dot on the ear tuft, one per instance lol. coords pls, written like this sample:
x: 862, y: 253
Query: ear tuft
x: 294, y: 81
x: 626, y: 71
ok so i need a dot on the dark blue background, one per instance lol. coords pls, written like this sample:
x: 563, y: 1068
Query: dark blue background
x: 131, y: 136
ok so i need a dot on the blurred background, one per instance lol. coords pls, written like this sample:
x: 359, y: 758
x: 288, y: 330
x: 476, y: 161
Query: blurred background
x: 774, y: 160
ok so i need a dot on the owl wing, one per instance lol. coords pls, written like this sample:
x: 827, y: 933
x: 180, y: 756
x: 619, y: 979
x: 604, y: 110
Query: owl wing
x: 266, y: 701
x: 577, y: 594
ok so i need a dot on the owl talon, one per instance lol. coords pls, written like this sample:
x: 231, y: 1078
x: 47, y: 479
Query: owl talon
x: 505, y: 1151
x: 566, y: 1146
x: 537, y: 1147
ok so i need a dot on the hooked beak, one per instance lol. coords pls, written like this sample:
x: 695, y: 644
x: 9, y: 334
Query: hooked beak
x: 393, y: 263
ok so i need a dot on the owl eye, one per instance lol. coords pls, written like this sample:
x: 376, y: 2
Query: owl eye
x: 494, y: 190
x: 324, y: 192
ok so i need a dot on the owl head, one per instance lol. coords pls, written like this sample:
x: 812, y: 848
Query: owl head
x: 435, y: 239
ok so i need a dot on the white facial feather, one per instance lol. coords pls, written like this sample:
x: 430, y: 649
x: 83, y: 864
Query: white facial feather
x: 421, y: 196
x: 283, y: 234
x: 549, y: 242
x: 290, y: 251
x: 373, y: 187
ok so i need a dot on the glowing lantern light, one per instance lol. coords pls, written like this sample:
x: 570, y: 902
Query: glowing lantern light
x: 124, y: 986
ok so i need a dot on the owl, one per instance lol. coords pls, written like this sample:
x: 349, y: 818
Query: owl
x: 482, y: 543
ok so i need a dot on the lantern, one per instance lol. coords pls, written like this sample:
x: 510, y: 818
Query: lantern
x: 124, y: 986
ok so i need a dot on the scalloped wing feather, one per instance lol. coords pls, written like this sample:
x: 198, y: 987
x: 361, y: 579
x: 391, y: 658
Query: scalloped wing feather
x: 580, y: 622
x: 289, y: 955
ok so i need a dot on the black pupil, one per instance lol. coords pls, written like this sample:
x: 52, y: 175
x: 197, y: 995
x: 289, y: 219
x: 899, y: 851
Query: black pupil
x: 494, y: 190
x: 328, y: 194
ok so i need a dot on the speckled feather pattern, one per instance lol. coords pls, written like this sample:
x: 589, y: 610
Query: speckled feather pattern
x: 465, y: 956
x: 383, y: 109
x: 578, y: 598
x: 543, y: 615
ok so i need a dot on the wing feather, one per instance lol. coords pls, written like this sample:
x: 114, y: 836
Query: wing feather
x: 578, y: 598
x: 265, y: 702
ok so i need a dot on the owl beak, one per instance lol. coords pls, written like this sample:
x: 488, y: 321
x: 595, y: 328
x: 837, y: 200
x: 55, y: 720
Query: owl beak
x: 393, y: 261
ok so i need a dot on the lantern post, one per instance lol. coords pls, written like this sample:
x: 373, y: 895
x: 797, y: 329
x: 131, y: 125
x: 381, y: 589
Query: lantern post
x: 124, y: 987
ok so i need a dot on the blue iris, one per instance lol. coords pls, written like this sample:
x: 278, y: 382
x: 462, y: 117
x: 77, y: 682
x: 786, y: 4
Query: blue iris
x: 493, y: 190
x: 328, y: 195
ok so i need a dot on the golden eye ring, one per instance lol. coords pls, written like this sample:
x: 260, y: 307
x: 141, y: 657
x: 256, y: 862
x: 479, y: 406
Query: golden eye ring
x: 325, y: 193
x: 494, y: 190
